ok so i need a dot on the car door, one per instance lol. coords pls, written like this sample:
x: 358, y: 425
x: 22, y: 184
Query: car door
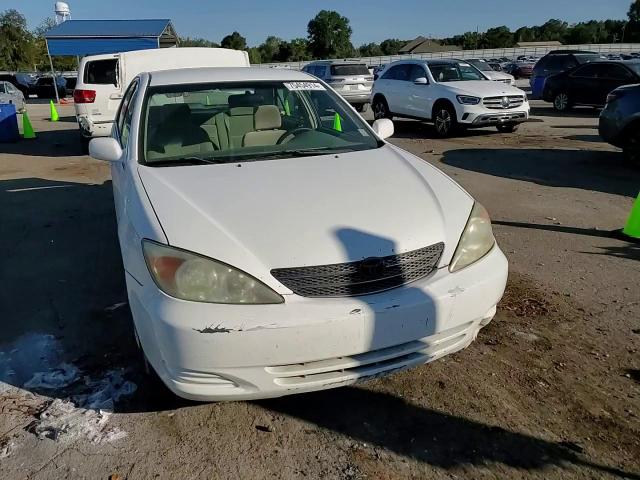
x: 103, y: 77
x: 395, y: 81
x: 611, y: 77
x: 420, y: 102
x: 121, y: 171
x: 582, y: 84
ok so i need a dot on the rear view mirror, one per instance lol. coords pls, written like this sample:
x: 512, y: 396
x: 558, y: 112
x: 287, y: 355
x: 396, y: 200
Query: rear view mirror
x: 421, y: 81
x: 383, y: 128
x: 106, y: 148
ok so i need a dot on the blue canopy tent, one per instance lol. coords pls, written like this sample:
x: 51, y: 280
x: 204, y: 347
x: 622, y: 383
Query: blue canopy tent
x: 93, y: 37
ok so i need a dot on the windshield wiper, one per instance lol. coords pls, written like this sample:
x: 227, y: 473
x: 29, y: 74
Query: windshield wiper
x: 185, y: 161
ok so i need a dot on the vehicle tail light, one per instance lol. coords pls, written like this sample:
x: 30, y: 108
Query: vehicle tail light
x: 84, y: 96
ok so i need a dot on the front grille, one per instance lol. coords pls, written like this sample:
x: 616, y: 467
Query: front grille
x: 362, y: 277
x: 503, y: 103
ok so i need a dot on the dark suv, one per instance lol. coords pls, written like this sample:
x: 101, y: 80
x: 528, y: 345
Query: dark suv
x: 554, y: 62
x: 620, y: 121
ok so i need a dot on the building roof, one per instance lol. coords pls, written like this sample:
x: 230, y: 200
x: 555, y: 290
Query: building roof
x: 109, y: 28
x: 91, y: 37
x: 550, y: 43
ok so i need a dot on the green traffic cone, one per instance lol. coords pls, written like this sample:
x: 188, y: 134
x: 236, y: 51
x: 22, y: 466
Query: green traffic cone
x: 208, y: 101
x: 53, y: 111
x: 337, y: 123
x: 287, y: 108
x: 27, y: 128
x: 632, y: 228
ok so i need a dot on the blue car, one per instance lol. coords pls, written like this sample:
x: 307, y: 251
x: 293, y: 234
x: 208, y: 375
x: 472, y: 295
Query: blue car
x: 557, y: 61
x: 620, y: 121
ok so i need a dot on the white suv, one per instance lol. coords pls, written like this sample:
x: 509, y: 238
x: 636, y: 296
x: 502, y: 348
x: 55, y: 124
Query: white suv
x: 450, y: 93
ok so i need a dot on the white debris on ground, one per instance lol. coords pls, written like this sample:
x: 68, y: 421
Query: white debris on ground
x: 82, y: 405
x: 86, y: 414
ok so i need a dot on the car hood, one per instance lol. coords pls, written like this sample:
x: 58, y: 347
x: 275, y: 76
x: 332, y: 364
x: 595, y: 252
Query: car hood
x: 483, y: 88
x: 298, y: 212
x: 495, y: 75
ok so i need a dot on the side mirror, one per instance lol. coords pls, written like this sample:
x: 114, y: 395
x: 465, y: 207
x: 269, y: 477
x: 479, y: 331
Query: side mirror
x: 421, y: 81
x: 383, y: 128
x: 105, y: 148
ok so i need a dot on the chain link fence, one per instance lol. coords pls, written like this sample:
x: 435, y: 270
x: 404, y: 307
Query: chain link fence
x: 511, y: 53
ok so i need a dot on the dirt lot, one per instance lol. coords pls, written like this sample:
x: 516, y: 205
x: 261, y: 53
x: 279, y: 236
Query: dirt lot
x: 551, y: 389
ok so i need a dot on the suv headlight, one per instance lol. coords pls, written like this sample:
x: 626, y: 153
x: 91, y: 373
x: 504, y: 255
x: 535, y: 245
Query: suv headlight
x: 189, y: 276
x: 476, y: 241
x: 468, y: 100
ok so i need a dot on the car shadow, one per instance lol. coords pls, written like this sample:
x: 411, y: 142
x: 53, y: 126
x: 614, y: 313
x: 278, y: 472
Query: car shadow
x: 600, y: 171
x: 63, y: 297
x: 435, y: 438
x: 549, y: 111
x: 48, y: 143
x: 413, y: 129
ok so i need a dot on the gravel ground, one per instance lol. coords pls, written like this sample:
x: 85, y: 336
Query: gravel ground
x: 551, y: 389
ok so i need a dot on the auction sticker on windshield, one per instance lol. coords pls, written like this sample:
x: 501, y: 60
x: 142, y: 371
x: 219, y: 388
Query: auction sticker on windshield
x: 296, y: 86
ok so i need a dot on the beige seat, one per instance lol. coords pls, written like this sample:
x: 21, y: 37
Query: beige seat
x: 217, y: 127
x: 173, y: 133
x: 242, y: 109
x: 267, y: 121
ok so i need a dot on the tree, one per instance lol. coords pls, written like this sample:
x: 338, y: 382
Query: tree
x: 254, y: 55
x: 235, y: 41
x: 297, y: 50
x: 17, y: 49
x: 270, y: 49
x: 498, y: 37
x: 197, y: 42
x: 370, y: 50
x: 391, y: 46
x: 632, y: 30
x: 552, y: 30
x: 329, y: 35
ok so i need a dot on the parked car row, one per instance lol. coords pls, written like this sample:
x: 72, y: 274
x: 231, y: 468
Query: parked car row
x: 40, y: 86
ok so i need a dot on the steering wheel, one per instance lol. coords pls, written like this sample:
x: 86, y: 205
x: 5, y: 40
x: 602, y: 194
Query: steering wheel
x: 292, y: 133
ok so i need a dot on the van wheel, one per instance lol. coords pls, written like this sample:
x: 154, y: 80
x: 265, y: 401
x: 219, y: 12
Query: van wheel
x: 381, y: 109
x: 445, y: 120
x: 362, y: 107
x: 561, y: 102
x: 508, y: 128
x: 84, y: 144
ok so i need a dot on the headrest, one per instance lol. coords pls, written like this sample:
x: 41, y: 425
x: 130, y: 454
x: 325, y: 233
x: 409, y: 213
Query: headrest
x: 267, y: 117
x: 172, y: 112
x: 245, y: 100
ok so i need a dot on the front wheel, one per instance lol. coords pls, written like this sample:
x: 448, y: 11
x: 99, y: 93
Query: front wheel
x: 362, y: 107
x: 445, y: 121
x: 381, y: 109
x: 508, y: 128
x: 561, y: 102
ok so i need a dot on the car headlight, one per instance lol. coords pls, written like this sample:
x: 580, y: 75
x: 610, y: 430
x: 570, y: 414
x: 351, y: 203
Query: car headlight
x: 468, y: 100
x: 189, y: 276
x: 476, y: 241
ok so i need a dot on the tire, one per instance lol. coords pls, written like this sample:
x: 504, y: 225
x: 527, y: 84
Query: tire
x: 381, y: 109
x: 631, y: 150
x: 445, y: 120
x: 84, y: 144
x: 508, y: 128
x: 562, y: 102
x: 361, y: 107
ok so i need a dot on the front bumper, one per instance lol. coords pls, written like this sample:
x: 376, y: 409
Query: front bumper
x: 610, y: 126
x: 211, y: 352
x: 481, y: 116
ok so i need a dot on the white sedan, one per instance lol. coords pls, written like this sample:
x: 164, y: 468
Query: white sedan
x: 274, y: 243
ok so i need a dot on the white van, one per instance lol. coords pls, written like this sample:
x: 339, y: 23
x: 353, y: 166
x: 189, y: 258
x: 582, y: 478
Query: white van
x: 102, y: 79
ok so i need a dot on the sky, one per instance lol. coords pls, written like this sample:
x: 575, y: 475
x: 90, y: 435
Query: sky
x: 371, y: 20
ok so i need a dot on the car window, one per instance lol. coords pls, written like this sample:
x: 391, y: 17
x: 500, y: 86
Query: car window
x: 247, y: 121
x: 455, y: 72
x: 2, y: 88
x: 417, y: 71
x: 591, y: 70
x: 393, y: 73
x: 342, y: 70
x: 125, y: 114
x: 45, y: 81
x: 616, y: 72
x: 101, y: 72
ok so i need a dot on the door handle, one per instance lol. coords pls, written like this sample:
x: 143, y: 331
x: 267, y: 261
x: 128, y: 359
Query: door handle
x: 115, y: 96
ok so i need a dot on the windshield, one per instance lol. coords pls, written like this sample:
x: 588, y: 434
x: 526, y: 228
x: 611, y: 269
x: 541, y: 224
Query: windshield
x: 635, y: 67
x: 482, y: 66
x: 455, y: 72
x: 587, y: 57
x: 242, y: 122
x: 343, y: 70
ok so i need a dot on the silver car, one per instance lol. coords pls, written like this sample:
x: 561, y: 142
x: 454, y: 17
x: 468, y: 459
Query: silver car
x: 10, y: 94
x: 351, y: 80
